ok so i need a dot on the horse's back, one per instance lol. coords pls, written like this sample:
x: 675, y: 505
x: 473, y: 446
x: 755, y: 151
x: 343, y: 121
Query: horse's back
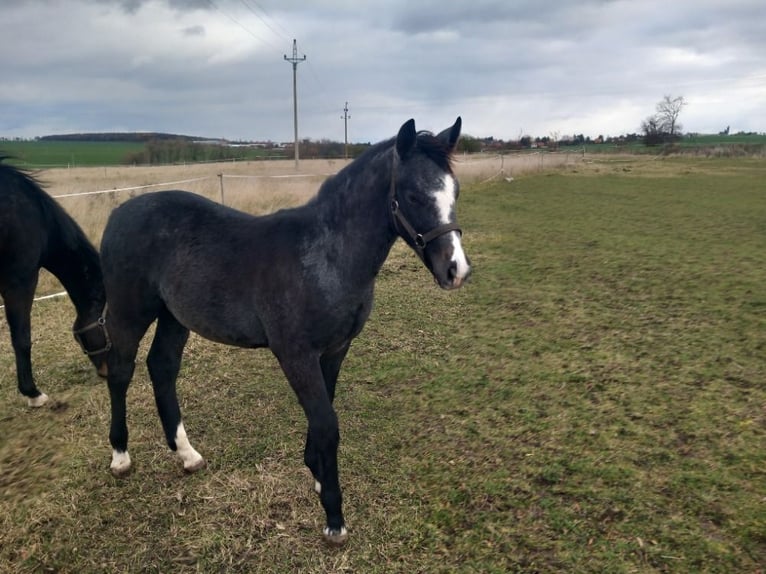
x: 178, y: 250
x: 22, y: 228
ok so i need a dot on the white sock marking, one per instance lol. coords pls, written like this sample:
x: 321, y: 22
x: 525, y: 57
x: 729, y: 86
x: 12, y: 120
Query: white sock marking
x: 338, y: 537
x: 38, y: 401
x: 120, y: 462
x: 192, y: 459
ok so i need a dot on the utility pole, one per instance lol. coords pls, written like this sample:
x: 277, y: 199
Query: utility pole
x: 295, y: 60
x: 345, y: 117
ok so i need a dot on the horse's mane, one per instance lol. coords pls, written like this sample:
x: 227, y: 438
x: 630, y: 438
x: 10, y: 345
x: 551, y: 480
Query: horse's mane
x: 427, y: 143
x: 55, y: 217
x: 436, y: 149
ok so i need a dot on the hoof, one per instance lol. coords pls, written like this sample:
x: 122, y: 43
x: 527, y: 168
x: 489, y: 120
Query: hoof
x: 335, y: 537
x: 37, y: 401
x: 121, y: 464
x: 195, y: 466
x: 121, y: 472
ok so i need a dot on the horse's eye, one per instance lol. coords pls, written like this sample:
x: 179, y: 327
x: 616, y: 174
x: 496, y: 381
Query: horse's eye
x: 416, y: 199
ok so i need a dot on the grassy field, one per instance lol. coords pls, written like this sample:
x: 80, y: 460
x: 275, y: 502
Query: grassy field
x: 701, y: 144
x: 69, y: 154
x: 47, y: 154
x: 593, y: 401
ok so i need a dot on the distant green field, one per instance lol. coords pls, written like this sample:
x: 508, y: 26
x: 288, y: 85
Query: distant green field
x: 41, y: 154
x: 687, y: 144
x: 713, y: 139
x: 68, y: 153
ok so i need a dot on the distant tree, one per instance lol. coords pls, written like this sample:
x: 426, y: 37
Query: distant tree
x: 469, y: 144
x: 653, y: 134
x: 668, y: 110
x: 663, y: 126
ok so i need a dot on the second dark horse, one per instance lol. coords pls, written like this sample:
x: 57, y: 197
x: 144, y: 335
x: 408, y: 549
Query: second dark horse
x: 36, y: 232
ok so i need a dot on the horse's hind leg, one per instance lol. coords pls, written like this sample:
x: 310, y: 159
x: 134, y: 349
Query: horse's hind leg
x: 164, y: 362
x: 18, y: 306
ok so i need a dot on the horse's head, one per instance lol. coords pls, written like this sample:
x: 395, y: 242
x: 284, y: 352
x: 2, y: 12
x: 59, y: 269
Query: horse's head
x: 423, y: 194
x: 94, y: 340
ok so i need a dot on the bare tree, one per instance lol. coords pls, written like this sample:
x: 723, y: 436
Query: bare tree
x: 668, y: 111
x: 663, y: 126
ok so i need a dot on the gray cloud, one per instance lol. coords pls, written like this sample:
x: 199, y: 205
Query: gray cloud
x: 217, y: 68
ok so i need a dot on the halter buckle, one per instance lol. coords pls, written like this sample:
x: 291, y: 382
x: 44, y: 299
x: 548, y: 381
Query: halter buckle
x: 99, y: 323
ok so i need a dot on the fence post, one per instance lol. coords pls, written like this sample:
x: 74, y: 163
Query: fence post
x: 220, y: 178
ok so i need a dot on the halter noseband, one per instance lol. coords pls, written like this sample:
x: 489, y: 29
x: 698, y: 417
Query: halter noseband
x: 402, y: 226
x: 99, y: 323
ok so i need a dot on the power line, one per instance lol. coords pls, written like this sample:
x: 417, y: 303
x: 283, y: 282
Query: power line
x: 264, y: 20
x: 240, y: 24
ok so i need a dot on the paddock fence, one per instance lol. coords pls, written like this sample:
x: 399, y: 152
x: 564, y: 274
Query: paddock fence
x: 256, y: 193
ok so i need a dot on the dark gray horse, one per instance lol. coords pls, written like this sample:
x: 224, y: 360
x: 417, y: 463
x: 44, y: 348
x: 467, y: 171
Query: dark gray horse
x: 299, y: 281
x: 36, y: 232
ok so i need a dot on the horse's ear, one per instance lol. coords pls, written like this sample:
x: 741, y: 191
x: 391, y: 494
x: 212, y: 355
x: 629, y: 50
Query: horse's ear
x: 405, y: 139
x: 451, y: 135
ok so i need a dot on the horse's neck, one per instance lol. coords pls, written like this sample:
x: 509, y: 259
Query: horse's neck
x: 79, y: 271
x: 363, y: 227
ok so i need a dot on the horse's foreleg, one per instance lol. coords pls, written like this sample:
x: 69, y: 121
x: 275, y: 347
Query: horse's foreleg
x: 121, y: 362
x: 118, y: 380
x: 330, y: 364
x: 164, y: 363
x: 18, y: 306
x: 305, y: 377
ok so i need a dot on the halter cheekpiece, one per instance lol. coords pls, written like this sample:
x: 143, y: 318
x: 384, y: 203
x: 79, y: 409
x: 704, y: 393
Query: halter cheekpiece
x: 99, y: 323
x: 403, y: 226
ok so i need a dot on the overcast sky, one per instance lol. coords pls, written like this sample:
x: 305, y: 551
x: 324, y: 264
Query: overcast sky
x: 216, y: 68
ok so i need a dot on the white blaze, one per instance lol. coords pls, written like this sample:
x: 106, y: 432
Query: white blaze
x: 445, y: 203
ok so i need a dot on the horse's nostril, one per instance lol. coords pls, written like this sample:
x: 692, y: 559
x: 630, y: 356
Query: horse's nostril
x: 452, y: 271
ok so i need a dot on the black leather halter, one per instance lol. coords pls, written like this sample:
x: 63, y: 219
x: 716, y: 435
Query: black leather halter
x: 404, y: 227
x: 99, y: 323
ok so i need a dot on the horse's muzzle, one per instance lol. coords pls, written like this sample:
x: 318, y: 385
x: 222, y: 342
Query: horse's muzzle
x: 453, y: 275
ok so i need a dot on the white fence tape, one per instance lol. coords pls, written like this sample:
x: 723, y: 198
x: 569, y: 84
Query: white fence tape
x: 44, y: 297
x: 164, y: 184
x: 133, y: 188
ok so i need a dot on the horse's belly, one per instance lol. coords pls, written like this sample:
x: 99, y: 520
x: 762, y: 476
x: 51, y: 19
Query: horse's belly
x: 220, y: 321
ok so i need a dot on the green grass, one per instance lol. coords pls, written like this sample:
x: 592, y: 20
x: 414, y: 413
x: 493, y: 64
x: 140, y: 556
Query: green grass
x: 69, y: 154
x: 40, y: 154
x: 701, y: 144
x: 592, y: 402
